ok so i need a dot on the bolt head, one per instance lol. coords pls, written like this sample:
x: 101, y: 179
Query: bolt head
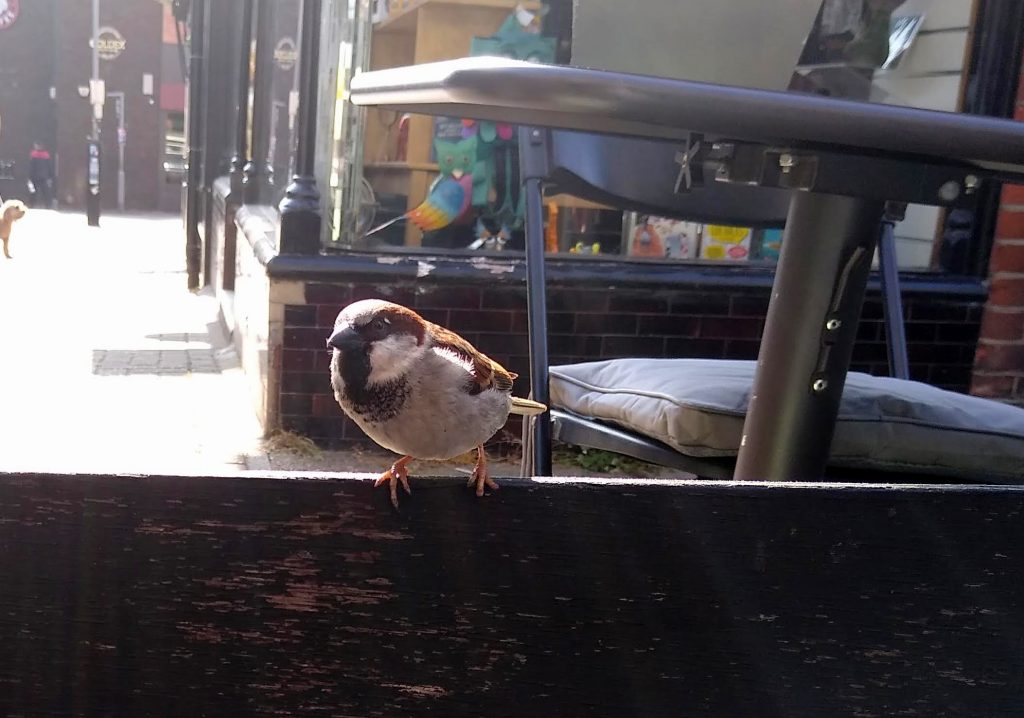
x: 949, y: 191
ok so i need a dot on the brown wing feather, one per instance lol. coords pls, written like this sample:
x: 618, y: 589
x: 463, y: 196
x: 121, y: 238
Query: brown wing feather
x: 487, y: 373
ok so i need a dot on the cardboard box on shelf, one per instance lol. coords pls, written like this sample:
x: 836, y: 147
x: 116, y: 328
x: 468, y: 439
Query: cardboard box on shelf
x: 662, y: 237
x: 769, y: 246
x: 724, y: 243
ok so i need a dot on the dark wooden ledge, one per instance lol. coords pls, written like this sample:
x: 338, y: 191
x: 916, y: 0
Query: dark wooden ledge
x: 310, y: 596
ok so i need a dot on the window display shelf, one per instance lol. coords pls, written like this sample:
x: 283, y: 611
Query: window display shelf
x: 396, y: 166
x: 402, y: 17
x: 415, y: 32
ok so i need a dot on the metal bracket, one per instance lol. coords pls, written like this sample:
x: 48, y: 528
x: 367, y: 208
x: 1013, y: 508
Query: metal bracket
x: 739, y: 163
x: 765, y: 166
x: 834, y: 318
x: 533, y: 153
x: 894, y: 212
x: 819, y: 170
x: 690, y: 161
x: 794, y: 171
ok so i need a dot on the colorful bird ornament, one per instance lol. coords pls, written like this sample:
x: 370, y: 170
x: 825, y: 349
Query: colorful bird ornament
x: 450, y: 196
x: 446, y: 202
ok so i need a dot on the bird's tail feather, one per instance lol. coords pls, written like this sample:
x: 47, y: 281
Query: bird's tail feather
x: 387, y: 224
x: 527, y: 407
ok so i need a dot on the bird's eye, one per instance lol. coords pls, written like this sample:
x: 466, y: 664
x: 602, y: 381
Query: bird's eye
x: 378, y: 324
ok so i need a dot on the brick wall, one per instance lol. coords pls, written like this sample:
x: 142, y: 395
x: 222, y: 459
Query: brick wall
x: 588, y: 323
x: 999, y: 363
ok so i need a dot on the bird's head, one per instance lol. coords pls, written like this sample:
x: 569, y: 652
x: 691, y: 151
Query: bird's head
x: 376, y: 342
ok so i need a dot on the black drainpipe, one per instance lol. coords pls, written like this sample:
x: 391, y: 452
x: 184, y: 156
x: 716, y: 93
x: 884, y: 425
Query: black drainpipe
x: 301, y: 218
x: 193, y: 196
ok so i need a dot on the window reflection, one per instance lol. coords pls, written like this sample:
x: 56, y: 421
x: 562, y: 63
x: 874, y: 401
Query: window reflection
x: 387, y: 164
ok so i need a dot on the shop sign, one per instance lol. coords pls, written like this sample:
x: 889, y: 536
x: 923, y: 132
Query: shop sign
x: 285, y: 53
x: 110, y: 44
x: 9, y: 10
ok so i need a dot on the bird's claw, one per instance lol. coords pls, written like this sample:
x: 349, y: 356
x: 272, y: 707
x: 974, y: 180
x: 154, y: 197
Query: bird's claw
x: 481, y: 482
x: 395, y: 475
x: 481, y: 478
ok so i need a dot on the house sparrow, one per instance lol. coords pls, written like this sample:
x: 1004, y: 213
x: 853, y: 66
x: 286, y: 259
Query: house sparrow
x: 419, y: 389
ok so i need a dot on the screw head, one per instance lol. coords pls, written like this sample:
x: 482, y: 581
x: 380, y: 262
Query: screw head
x: 949, y: 191
x: 833, y: 324
x: 819, y: 385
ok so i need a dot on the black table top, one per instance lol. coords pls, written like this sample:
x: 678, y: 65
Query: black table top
x: 608, y: 102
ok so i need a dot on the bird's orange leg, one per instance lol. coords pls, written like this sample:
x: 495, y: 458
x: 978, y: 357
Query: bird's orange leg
x: 480, y: 478
x: 397, y: 473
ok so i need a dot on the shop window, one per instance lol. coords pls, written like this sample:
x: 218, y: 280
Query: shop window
x: 914, y: 53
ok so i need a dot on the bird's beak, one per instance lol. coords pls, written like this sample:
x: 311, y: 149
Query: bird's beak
x: 457, y: 174
x: 345, y: 337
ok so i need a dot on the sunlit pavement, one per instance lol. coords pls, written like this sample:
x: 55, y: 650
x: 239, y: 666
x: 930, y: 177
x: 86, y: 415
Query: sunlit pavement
x: 107, y: 361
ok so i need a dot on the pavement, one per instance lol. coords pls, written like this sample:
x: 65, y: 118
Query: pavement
x: 107, y: 362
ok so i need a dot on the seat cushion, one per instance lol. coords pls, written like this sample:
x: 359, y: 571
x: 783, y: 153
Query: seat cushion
x: 697, y: 406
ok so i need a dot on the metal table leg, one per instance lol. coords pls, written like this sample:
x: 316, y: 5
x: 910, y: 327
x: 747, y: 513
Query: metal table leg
x: 808, y: 336
x: 537, y: 312
x: 533, y: 159
x: 892, y: 300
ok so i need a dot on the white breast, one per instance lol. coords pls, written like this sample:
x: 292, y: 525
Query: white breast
x: 440, y: 419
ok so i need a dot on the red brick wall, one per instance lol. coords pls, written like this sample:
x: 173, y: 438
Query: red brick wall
x: 999, y: 361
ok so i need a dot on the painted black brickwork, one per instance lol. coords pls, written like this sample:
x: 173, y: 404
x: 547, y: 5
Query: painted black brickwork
x: 587, y: 324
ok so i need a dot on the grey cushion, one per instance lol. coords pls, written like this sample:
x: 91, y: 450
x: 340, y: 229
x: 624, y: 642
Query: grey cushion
x: 697, y: 406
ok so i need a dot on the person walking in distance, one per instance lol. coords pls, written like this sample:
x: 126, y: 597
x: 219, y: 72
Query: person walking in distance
x: 41, y: 176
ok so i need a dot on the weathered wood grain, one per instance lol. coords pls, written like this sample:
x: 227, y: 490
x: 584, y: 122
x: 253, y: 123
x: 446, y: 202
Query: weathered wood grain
x: 264, y: 596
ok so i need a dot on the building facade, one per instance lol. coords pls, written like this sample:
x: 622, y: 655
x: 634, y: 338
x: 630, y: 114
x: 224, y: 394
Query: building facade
x: 45, y: 68
x: 27, y: 109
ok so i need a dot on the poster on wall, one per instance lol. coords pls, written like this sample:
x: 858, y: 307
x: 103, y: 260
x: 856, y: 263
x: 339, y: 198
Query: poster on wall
x: 724, y: 243
x: 663, y: 237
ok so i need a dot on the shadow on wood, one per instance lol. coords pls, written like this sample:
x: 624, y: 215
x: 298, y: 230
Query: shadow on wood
x: 304, y: 596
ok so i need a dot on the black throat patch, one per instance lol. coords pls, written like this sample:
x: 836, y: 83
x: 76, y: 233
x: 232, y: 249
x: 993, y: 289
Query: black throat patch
x: 379, y: 402
x: 375, y: 403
